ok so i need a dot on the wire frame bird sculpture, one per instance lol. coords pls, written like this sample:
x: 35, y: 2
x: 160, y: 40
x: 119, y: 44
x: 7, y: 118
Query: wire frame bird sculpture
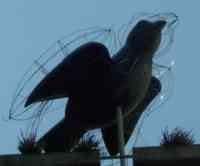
x: 97, y: 77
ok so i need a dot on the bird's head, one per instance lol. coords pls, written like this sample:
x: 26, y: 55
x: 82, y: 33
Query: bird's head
x: 145, y: 37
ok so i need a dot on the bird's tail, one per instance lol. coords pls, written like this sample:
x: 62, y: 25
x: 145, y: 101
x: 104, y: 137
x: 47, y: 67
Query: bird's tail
x: 61, y: 138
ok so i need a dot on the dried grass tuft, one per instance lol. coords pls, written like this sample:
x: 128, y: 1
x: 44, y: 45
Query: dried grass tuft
x: 176, y: 138
x: 87, y: 144
x: 28, y: 144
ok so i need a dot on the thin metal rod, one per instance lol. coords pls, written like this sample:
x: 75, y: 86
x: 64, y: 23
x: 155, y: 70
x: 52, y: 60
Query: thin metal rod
x: 116, y: 157
x: 121, y: 142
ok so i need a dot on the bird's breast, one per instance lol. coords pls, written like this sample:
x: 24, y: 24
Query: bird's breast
x: 137, y: 83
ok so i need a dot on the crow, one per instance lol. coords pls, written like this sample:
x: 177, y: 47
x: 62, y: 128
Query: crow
x: 96, y: 84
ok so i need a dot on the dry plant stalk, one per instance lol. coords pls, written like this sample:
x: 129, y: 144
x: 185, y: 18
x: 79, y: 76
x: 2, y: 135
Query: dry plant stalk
x: 28, y: 144
x: 177, y: 137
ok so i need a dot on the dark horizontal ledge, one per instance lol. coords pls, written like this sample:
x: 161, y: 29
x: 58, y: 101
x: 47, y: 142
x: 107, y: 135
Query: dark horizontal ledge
x: 175, y: 155
x: 54, y: 159
x: 185, y: 155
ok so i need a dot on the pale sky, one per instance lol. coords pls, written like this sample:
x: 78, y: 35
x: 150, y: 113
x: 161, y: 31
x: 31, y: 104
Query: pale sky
x: 29, y: 27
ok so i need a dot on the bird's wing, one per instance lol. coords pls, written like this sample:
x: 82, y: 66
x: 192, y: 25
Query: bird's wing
x: 110, y: 133
x: 68, y: 76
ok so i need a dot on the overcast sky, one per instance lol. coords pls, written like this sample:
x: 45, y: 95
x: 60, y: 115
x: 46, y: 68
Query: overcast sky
x: 28, y: 27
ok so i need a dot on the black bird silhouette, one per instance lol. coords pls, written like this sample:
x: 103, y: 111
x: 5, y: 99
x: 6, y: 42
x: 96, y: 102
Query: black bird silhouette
x: 97, y: 84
